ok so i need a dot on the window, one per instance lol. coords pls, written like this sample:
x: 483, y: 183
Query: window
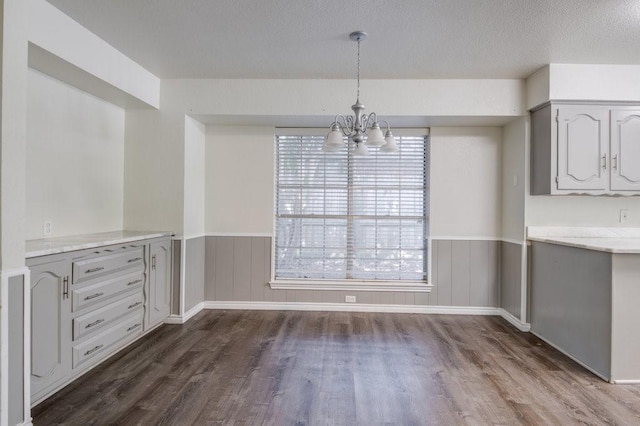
x: 343, y: 217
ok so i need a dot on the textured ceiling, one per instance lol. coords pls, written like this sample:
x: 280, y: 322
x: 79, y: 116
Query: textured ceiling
x: 408, y: 39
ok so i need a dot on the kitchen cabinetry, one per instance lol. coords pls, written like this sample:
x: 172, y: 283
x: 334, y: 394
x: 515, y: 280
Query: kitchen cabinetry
x: 50, y: 330
x: 625, y: 150
x: 88, y: 304
x: 159, y: 305
x: 578, y: 149
x: 584, y: 303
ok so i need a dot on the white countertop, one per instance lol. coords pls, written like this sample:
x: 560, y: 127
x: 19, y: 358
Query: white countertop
x: 612, y: 240
x: 46, y: 246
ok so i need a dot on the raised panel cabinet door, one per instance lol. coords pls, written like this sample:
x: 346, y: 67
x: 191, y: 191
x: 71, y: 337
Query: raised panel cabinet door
x: 159, y: 303
x: 583, y: 147
x: 50, y: 326
x: 625, y: 150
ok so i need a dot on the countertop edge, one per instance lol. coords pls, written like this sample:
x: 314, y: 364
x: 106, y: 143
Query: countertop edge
x: 64, y: 247
x: 585, y: 245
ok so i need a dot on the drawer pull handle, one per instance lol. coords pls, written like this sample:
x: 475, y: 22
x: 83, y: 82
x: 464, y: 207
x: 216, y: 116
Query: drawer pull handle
x: 90, y: 271
x: 133, y: 282
x: 93, y: 324
x: 134, y: 305
x: 134, y: 326
x: 93, y: 296
x: 90, y: 351
x: 135, y: 259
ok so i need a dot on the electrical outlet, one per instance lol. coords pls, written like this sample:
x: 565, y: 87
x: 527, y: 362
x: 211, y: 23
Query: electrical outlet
x: 624, y: 216
x: 350, y: 299
x: 46, y: 228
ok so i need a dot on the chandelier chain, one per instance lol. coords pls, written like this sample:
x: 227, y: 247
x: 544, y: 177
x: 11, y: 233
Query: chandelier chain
x: 358, y: 94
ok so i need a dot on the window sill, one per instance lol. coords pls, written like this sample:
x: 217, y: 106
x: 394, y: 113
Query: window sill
x: 398, y: 286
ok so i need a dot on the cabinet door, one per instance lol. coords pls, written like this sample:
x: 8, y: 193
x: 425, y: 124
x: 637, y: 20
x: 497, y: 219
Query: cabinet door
x: 50, y: 326
x: 583, y: 145
x: 159, y: 302
x: 625, y: 150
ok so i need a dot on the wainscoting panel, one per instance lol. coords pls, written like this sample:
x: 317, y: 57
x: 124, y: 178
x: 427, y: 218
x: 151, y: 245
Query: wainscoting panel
x: 176, y: 252
x: 15, y: 305
x: 194, y: 272
x: 465, y: 273
x: 511, y: 278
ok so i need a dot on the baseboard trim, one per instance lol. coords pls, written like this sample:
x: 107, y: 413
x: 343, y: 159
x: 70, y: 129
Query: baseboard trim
x: 181, y: 319
x: 522, y: 326
x: 344, y: 307
x: 626, y: 382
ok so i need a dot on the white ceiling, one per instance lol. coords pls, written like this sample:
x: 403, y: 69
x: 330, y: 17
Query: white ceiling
x: 408, y: 39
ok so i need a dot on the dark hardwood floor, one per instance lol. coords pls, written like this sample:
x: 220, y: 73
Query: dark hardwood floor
x: 336, y: 368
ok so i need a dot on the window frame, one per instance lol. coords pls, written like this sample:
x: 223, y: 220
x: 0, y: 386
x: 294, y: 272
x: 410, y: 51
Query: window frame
x: 348, y: 284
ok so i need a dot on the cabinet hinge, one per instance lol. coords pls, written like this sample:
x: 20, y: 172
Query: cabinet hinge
x: 556, y: 179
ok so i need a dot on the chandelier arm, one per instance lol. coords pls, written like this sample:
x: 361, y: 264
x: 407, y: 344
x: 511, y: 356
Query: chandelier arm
x: 387, y: 123
x: 349, y: 125
x: 368, y: 120
x: 372, y: 118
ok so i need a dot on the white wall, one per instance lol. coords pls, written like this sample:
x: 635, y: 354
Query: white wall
x: 304, y: 98
x: 13, y: 107
x: 154, y: 170
x: 514, y: 179
x: 584, y: 82
x: 466, y: 176
x: 69, y: 42
x: 579, y: 210
x: 466, y: 182
x: 75, y: 160
x: 239, y: 180
x: 194, y: 178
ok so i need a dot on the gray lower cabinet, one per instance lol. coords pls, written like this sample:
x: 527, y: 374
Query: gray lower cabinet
x: 50, y: 330
x: 88, y: 304
x: 585, y: 303
x: 159, y: 303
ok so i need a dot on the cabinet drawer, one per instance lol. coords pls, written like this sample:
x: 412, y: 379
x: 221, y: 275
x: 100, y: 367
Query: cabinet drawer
x: 105, y: 290
x: 88, y: 268
x: 107, y: 341
x: 96, y: 320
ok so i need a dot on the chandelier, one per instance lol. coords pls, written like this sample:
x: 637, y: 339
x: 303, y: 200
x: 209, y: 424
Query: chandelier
x: 359, y: 126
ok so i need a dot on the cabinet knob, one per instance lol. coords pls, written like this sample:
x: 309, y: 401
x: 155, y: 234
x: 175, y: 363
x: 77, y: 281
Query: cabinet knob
x: 604, y: 162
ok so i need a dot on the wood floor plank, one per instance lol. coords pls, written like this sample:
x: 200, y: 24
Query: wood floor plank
x: 338, y: 368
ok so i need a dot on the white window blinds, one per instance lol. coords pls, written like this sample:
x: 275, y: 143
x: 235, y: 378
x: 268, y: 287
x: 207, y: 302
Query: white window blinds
x: 342, y: 217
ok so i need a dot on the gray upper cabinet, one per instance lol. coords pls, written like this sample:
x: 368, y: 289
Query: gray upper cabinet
x: 625, y: 150
x: 159, y: 302
x: 585, y: 149
x: 583, y: 139
x: 50, y: 326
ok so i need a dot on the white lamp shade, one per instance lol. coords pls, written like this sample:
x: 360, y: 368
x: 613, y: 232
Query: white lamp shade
x: 334, y: 138
x: 361, y: 150
x: 375, y: 137
x: 391, y: 144
x: 330, y: 148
